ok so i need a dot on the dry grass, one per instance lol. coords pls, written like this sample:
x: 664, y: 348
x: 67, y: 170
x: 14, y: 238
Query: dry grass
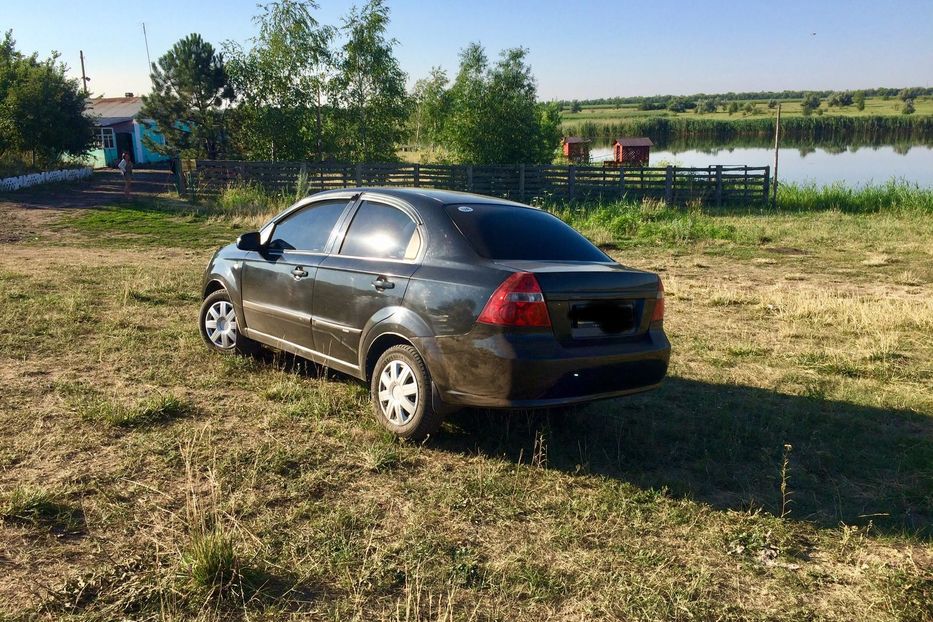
x: 211, y: 488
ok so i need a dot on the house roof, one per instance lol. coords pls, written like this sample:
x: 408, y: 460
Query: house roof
x: 633, y: 142
x: 570, y: 140
x: 113, y: 110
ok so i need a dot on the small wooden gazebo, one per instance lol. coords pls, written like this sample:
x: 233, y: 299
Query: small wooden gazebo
x: 576, y: 149
x: 631, y: 151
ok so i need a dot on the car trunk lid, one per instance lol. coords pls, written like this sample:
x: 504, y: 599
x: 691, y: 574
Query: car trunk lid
x: 594, y: 301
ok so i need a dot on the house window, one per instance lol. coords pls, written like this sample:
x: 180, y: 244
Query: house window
x: 105, y: 138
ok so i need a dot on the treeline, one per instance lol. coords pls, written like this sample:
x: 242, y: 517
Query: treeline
x: 302, y: 90
x: 41, y: 112
x: 660, y: 102
x: 795, y: 131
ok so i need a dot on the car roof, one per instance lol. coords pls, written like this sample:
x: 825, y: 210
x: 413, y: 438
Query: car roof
x: 423, y: 195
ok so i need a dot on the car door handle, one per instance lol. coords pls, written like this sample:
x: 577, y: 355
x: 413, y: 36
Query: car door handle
x: 299, y: 273
x: 383, y: 283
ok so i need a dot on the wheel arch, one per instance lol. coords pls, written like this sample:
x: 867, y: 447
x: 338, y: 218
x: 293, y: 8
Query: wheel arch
x: 212, y: 286
x: 379, y: 345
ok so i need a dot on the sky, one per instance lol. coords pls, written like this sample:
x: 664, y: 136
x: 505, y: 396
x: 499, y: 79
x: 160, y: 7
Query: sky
x: 579, y: 49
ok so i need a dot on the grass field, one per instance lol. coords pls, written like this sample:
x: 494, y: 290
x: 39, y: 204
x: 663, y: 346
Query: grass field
x: 874, y: 106
x: 783, y: 472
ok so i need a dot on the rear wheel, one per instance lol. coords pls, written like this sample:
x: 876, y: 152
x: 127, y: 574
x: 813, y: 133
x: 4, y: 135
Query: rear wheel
x: 219, y: 326
x: 401, y: 394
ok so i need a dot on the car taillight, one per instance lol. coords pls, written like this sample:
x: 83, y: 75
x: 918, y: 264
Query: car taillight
x: 658, y: 314
x: 517, y: 302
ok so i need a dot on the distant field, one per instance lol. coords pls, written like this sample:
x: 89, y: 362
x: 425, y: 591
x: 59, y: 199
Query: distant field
x: 781, y: 473
x: 873, y: 106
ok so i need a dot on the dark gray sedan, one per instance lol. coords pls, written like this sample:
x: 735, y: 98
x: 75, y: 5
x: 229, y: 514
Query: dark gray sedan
x: 439, y: 300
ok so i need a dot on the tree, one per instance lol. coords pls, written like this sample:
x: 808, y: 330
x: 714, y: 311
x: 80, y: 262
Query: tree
x: 908, y: 107
x: 706, y: 106
x: 772, y: 103
x: 495, y: 117
x: 189, y: 86
x: 282, y: 83
x: 370, y: 87
x: 859, y: 98
x: 41, y: 111
x: 432, y: 105
x: 811, y: 102
x: 840, y: 99
x: 733, y: 107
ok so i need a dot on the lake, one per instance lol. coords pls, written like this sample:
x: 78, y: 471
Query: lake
x: 864, y: 165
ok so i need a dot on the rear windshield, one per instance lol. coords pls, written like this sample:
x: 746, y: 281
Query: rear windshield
x: 505, y: 232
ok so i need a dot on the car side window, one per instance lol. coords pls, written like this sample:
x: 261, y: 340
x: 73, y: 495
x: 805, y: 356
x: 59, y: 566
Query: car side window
x: 381, y: 232
x: 309, y: 228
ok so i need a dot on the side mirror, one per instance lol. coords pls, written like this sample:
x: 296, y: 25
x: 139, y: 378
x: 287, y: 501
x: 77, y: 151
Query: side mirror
x: 249, y: 242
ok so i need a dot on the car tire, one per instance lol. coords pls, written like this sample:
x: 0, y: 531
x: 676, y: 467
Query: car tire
x: 401, y: 394
x: 219, y: 326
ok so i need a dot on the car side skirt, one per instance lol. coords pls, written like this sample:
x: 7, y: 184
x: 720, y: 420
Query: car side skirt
x: 312, y: 355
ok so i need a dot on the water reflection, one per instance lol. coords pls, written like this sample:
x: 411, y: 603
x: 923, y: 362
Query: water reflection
x: 824, y: 164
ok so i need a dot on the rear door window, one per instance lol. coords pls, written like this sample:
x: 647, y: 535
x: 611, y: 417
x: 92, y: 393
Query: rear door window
x: 504, y: 232
x: 309, y: 228
x: 382, y: 232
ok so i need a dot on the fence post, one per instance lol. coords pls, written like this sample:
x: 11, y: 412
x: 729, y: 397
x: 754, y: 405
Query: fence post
x: 469, y: 178
x: 417, y: 175
x: 571, y: 180
x: 669, y: 185
x: 179, y: 177
x: 767, y: 184
x: 621, y: 182
x: 521, y: 182
x: 719, y: 185
x: 359, y: 174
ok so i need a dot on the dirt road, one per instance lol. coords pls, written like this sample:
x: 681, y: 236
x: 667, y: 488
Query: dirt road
x: 23, y: 213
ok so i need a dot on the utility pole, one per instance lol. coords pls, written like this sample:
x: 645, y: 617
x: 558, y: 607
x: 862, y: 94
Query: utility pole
x: 84, y: 78
x: 146, y: 39
x: 777, y: 143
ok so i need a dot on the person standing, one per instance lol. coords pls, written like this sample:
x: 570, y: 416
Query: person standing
x: 126, y: 169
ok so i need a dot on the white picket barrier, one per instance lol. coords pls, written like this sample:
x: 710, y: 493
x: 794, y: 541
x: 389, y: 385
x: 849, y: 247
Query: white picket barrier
x: 8, y: 184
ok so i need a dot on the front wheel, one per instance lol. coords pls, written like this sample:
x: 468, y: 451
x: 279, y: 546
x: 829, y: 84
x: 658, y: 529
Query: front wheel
x: 401, y: 394
x: 220, y: 328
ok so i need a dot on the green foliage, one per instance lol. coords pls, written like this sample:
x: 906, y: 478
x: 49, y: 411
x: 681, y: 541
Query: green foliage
x: 40, y: 507
x: 841, y: 99
x: 733, y: 107
x: 494, y: 114
x: 859, y: 99
x: 645, y: 221
x: 706, y: 106
x: 772, y: 103
x: 282, y: 83
x: 908, y: 107
x: 369, y: 88
x: 41, y: 111
x: 432, y: 105
x: 189, y: 84
x: 895, y: 197
x: 575, y: 106
x: 810, y: 102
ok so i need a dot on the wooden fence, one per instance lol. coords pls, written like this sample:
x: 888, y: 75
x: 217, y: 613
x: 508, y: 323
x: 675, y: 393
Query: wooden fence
x: 712, y: 185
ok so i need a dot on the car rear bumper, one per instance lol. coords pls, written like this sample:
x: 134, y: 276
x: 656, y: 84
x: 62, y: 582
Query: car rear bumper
x: 495, y: 369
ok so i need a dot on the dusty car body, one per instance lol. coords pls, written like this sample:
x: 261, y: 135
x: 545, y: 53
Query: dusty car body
x: 440, y: 300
